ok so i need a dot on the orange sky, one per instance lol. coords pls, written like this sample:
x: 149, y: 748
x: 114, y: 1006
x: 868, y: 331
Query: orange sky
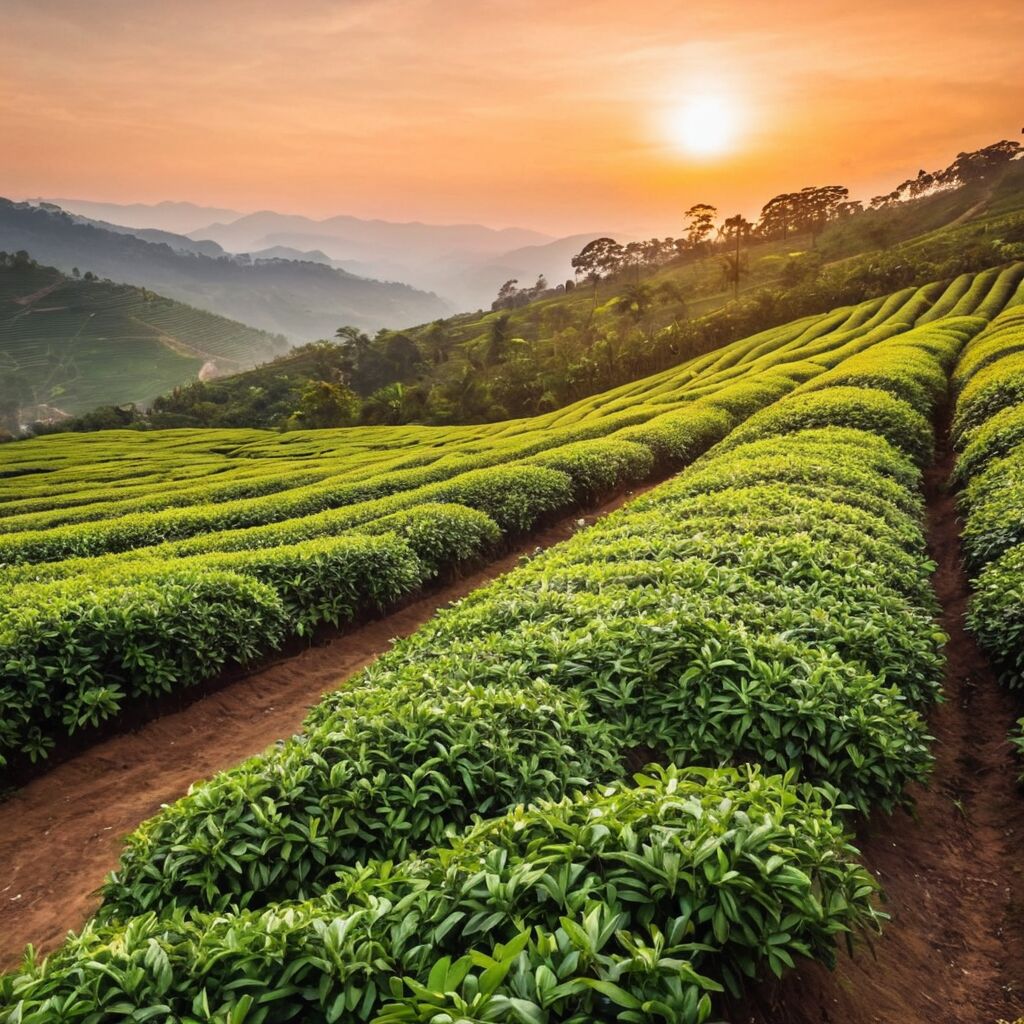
x: 546, y: 115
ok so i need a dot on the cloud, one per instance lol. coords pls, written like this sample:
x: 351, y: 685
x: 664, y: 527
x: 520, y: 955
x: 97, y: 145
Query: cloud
x: 513, y: 111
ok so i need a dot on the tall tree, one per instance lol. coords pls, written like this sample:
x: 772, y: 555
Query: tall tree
x: 498, y: 340
x: 700, y: 222
x: 734, y: 231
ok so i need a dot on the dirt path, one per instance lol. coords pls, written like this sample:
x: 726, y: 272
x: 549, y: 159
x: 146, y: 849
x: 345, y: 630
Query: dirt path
x: 41, y: 293
x: 60, y: 834
x: 954, y: 950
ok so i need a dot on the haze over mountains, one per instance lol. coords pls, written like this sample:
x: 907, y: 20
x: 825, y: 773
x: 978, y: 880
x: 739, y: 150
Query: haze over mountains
x: 464, y: 264
x: 302, y: 300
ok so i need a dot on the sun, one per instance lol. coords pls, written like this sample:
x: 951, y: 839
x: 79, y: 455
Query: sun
x: 704, y: 125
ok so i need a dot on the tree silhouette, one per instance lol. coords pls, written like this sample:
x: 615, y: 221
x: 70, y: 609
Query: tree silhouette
x: 735, y: 230
x: 700, y: 222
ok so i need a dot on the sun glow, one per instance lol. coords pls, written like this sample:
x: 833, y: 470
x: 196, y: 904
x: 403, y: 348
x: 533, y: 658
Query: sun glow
x: 704, y: 125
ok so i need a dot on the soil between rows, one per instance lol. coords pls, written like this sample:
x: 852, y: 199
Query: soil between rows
x: 61, y: 833
x: 953, y: 952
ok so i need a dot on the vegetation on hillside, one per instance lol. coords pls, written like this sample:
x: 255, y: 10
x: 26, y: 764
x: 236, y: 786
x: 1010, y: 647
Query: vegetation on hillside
x: 300, y: 299
x: 455, y: 834
x: 637, y: 309
x: 71, y: 342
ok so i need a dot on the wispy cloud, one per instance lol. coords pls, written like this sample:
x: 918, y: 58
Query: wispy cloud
x: 523, y: 111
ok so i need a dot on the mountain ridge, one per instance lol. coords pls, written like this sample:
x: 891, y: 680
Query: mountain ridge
x: 302, y: 300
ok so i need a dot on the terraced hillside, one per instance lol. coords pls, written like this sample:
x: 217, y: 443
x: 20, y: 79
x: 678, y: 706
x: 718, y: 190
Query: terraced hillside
x: 454, y: 834
x: 73, y: 344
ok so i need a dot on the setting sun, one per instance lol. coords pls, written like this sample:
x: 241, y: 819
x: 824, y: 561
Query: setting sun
x: 704, y: 125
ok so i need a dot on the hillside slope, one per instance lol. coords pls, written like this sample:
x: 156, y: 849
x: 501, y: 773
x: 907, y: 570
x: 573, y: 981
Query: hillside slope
x: 71, y: 344
x: 558, y: 349
x: 300, y: 300
x: 771, y: 608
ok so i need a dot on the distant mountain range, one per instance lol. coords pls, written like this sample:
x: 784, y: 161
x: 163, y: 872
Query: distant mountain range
x: 178, y: 218
x: 302, y: 299
x: 464, y: 264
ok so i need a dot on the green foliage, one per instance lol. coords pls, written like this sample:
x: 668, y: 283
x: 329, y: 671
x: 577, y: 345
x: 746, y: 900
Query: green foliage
x: 844, y: 406
x: 598, y: 467
x: 989, y: 425
x: 993, y: 439
x: 440, y: 535
x: 926, y: 355
x: 996, y: 613
x: 992, y: 389
x: 676, y: 438
x: 325, y: 404
x: 76, y: 651
x: 456, y: 817
x: 656, y: 897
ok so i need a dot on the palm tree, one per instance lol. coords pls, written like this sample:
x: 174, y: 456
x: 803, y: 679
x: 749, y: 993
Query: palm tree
x: 735, y: 229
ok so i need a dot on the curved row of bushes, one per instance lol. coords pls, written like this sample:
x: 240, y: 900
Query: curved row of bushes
x: 656, y: 897
x: 988, y: 431
x: 758, y: 609
x: 82, y: 639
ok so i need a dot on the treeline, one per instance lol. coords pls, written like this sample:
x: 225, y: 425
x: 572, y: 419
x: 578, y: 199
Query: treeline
x: 807, y: 211
x: 633, y: 314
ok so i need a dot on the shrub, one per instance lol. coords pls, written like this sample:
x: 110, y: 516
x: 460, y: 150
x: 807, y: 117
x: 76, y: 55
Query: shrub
x: 874, y: 411
x: 442, y: 536
x: 996, y: 614
x: 598, y: 467
x: 677, y: 438
x: 75, y: 652
x: 705, y: 878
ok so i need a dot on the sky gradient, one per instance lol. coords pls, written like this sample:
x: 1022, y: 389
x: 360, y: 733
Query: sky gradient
x: 544, y: 115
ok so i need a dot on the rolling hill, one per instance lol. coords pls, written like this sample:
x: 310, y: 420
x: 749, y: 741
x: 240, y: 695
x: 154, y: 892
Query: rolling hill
x: 70, y: 344
x: 302, y: 300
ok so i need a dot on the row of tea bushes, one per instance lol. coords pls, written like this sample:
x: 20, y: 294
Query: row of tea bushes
x: 988, y: 431
x: 635, y: 903
x: 770, y: 605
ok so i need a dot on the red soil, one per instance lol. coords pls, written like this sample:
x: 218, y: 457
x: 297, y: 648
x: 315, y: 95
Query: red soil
x: 953, y: 952
x: 61, y: 833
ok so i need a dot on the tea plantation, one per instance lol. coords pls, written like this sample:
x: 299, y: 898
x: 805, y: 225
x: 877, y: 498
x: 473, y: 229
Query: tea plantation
x: 456, y: 834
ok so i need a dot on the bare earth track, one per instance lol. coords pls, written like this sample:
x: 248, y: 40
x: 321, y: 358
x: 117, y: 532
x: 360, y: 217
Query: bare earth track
x: 953, y: 952
x: 61, y: 833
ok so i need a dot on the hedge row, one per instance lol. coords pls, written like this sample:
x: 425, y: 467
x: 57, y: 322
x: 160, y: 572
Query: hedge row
x: 76, y: 652
x: 655, y: 898
x: 988, y: 428
x: 728, y: 641
x: 79, y: 651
